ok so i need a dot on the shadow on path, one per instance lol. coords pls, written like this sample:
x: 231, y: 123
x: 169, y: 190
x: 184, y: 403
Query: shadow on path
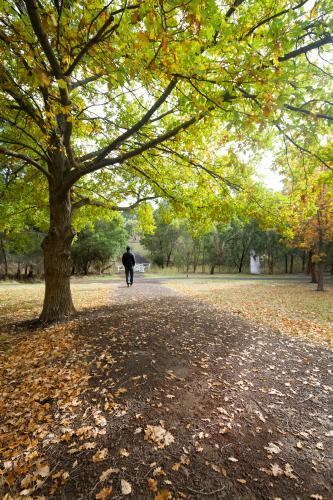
x: 246, y: 406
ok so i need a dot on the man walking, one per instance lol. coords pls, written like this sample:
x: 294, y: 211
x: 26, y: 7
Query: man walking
x: 128, y: 261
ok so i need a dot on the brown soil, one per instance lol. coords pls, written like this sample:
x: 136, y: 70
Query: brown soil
x: 223, y: 388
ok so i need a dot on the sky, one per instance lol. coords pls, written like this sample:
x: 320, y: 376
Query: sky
x: 272, y: 179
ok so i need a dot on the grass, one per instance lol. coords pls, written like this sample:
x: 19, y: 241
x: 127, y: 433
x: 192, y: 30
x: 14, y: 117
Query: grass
x: 292, y: 308
x: 20, y: 302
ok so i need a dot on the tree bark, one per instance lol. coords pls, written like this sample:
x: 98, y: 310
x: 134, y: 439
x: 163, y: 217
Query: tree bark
x: 303, y: 261
x: 320, y: 276
x: 291, y: 266
x: 4, y: 254
x: 312, y: 269
x: 18, y: 272
x: 240, y: 266
x: 58, y: 304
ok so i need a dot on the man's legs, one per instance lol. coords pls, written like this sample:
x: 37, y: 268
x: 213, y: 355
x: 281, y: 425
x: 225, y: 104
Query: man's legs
x: 131, y: 275
x: 127, y: 273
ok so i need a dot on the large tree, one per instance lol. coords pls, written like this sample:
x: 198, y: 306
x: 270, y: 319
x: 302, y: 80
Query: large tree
x: 115, y: 100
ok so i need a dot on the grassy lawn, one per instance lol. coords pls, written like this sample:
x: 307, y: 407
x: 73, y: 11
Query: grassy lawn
x: 19, y: 302
x: 292, y: 308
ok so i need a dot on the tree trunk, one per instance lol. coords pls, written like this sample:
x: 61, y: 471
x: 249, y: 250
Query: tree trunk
x: 314, y: 277
x: 303, y: 261
x: 291, y: 266
x: 4, y: 256
x: 320, y: 276
x: 312, y: 269
x: 286, y: 262
x: 240, y: 266
x: 18, y: 272
x: 212, y: 269
x: 58, y: 304
x: 168, y: 258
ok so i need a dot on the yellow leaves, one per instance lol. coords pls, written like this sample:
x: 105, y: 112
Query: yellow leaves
x: 123, y: 453
x: 100, y: 455
x: 104, y: 494
x: 43, y: 78
x: 43, y: 470
x: 62, y: 84
x: 163, y: 495
x: 152, y: 484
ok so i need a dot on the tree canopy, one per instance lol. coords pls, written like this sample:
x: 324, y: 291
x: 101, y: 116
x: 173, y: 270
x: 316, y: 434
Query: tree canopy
x: 112, y: 104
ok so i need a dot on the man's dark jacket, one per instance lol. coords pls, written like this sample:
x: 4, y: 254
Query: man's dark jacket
x: 128, y: 260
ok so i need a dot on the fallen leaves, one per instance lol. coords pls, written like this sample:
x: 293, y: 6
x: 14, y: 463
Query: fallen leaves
x: 107, y: 473
x: 276, y: 471
x: 158, y: 435
x: 126, y: 487
x: 104, y: 494
x: 100, y: 455
x: 272, y: 448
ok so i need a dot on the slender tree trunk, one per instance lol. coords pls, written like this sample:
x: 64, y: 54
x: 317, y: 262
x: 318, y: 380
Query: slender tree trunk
x: 212, y: 269
x: 313, y: 272
x: 4, y: 256
x: 168, y: 258
x: 320, y: 276
x: 303, y: 262
x: 321, y: 264
x: 291, y: 266
x: 18, y: 272
x: 286, y: 262
x: 58, y: 304
x: 241, y: 262
x: 312, y: 268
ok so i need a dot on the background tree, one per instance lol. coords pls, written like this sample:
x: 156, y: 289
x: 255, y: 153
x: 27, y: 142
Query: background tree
x: 99, y: 244
x: 96, y: 98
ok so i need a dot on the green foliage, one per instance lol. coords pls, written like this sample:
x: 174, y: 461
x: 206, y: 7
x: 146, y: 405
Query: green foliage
x: 97, y: 245
x: 221, y: 83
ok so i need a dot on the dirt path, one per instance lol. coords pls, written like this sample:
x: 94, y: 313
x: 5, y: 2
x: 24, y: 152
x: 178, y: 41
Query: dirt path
x: 246, y: 411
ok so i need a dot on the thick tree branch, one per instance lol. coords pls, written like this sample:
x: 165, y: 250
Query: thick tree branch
x: 102, y: 153
x: 145, y: 119
x: 81, y: 83
x: 27, y: 159
x: 309, y: 113
x: 232, y: 9
x: 99, y: 35
x: 94, y: 203
x: 328, y: 39
x: 42, y: 37
x: 75, y: 175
